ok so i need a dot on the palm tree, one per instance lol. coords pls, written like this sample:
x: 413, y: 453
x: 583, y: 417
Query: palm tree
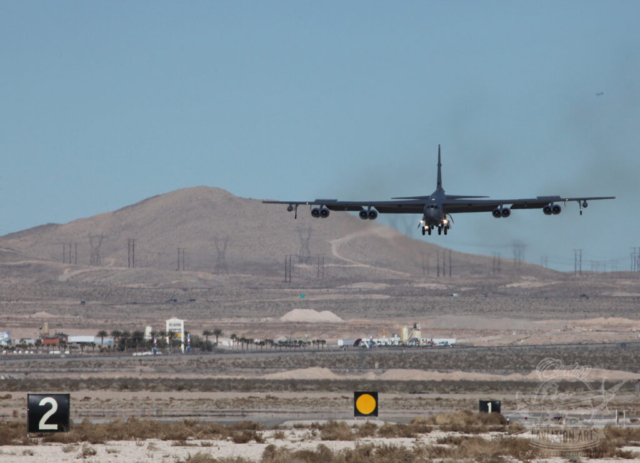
x: 101, y: 335
x: 171, y: 335
x: 217, y: 332
x: 115, y: 334
x: 206, y: 334
x: 234, y: 338
x: 125, y: 336
x: 137, y: 337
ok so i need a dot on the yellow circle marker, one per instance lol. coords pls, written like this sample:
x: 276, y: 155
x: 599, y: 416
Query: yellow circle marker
x: 366, y: 404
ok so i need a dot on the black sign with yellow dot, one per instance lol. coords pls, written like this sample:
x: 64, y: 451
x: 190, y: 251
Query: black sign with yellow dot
x: 365, y: 404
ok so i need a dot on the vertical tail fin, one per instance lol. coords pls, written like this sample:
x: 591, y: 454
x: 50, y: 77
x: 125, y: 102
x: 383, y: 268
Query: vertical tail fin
x: 439, y: 170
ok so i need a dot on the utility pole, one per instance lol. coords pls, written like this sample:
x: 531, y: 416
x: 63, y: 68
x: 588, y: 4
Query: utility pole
x: 131, y: 253
x: 438, y: 265
x: 449, y: 263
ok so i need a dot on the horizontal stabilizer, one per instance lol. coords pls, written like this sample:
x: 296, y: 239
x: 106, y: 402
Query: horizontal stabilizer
x: 464, y: 197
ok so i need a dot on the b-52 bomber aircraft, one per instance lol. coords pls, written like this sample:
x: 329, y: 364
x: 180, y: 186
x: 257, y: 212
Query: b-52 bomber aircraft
x: 436, y: 209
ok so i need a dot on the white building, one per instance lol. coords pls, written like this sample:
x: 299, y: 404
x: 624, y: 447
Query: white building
x: 176, y: 326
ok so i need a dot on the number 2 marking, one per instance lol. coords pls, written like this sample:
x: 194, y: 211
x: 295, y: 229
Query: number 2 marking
x: 43, y: 422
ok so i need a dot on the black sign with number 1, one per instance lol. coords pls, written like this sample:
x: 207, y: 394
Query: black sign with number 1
x: 48, y: 413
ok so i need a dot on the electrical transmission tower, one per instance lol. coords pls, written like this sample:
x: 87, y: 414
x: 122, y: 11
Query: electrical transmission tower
x: 131, y: 253
x: 496, y: 263
x: 288, y: 274
x: 304, y: 256
x: 69, y: 253
x: 321, y: 266
x: 577, y: 262
x: 181, y: 259
x: 544, y: 261
x: 425, y: 270
x: 518, y: 252
x: 95, y: 241
x: 221, y: 247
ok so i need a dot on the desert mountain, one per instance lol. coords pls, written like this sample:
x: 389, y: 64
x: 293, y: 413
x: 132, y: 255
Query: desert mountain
x: 258, y: 237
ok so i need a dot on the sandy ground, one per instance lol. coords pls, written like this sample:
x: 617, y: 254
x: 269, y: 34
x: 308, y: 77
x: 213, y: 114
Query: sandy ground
x: 154, y: 450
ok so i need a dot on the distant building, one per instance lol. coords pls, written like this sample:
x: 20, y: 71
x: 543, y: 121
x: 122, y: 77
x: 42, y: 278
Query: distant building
x: 80, y: 339
x: 50, y: 341
x: 176, y: 326
x: 4, y: 338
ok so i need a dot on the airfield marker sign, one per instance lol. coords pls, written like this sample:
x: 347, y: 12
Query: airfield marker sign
x: 48, y: 413
x: 365, y: 404
x: 490, y: 406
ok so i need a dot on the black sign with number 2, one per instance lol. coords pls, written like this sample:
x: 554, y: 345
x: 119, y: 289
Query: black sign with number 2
x: 48, y: 413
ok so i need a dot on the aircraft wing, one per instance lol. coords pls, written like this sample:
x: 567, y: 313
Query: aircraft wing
x: 383, y: 207
x: 457, y: 206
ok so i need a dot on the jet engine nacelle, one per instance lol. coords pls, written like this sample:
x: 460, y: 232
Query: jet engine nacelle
x: 506, y: 212
x: 373, y: 215
x: 556, y: 209
x: 315, y: 212
x: 547, y: 210
x: 364, y: 215
x: 497, y: 213
x: 324, y: 213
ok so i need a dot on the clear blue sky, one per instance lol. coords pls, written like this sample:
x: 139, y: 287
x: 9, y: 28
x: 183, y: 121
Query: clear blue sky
x: 107, y: 103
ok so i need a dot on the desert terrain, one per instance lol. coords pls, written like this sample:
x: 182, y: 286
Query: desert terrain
x: 350, y: 279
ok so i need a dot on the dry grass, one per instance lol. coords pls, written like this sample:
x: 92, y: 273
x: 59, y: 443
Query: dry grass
x: 466, y: 422
x: 336, y: 430
x: 14, y: 433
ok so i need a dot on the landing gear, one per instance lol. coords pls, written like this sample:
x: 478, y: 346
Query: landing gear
x: 429, y: 231
x: 445, y: 230
x: 439, y: 230
x: 423, y: 231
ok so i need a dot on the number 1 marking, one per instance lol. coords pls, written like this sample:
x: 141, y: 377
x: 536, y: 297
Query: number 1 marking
x: 43, y: 422
x: 488, y: 405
